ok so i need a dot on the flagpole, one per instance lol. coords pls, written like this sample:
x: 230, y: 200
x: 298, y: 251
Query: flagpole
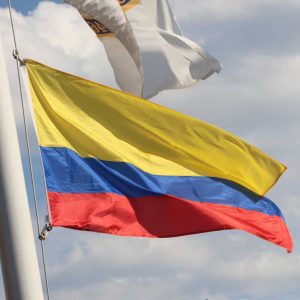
x: 19, y: 262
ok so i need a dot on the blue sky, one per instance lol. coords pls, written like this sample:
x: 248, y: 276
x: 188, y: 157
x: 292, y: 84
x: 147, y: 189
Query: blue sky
x: 24, y: 6
x: 256, y: 96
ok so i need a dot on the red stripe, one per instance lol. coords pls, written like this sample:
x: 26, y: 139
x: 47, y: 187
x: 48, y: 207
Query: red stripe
x: 160, y: 216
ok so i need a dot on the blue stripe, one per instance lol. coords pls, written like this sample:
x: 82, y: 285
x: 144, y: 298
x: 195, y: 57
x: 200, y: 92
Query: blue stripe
x: 67, y: 172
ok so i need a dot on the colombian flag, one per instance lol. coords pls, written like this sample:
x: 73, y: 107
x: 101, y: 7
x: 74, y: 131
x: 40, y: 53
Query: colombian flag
x: 118, y: 164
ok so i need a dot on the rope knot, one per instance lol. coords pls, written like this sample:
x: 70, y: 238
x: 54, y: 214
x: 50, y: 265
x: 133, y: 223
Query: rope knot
x: 43, y: 235
x: 16, y: 55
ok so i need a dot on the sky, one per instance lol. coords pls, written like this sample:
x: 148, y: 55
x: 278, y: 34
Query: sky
x: 256, y: 97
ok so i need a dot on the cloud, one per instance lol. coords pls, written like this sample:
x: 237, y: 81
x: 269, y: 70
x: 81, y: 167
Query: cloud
x: 56, y: 35
x: 219, y: 10
x: 218, y: 265
x: 230, y: 28
x: 255, y: 97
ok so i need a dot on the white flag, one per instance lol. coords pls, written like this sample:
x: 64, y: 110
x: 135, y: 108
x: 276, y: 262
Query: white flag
x: 145, y: 46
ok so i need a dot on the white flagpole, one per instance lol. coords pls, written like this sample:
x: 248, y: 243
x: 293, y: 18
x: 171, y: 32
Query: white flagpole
x: 19, y: 262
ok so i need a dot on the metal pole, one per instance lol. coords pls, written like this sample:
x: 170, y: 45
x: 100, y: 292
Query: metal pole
x: 19, y: 262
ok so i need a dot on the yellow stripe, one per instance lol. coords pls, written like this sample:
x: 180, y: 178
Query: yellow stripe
x: 130, y: 4
x: 105, y: 35
x: 98, y: 121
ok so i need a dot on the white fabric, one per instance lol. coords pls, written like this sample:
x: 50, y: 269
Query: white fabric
x: 147, y: 50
